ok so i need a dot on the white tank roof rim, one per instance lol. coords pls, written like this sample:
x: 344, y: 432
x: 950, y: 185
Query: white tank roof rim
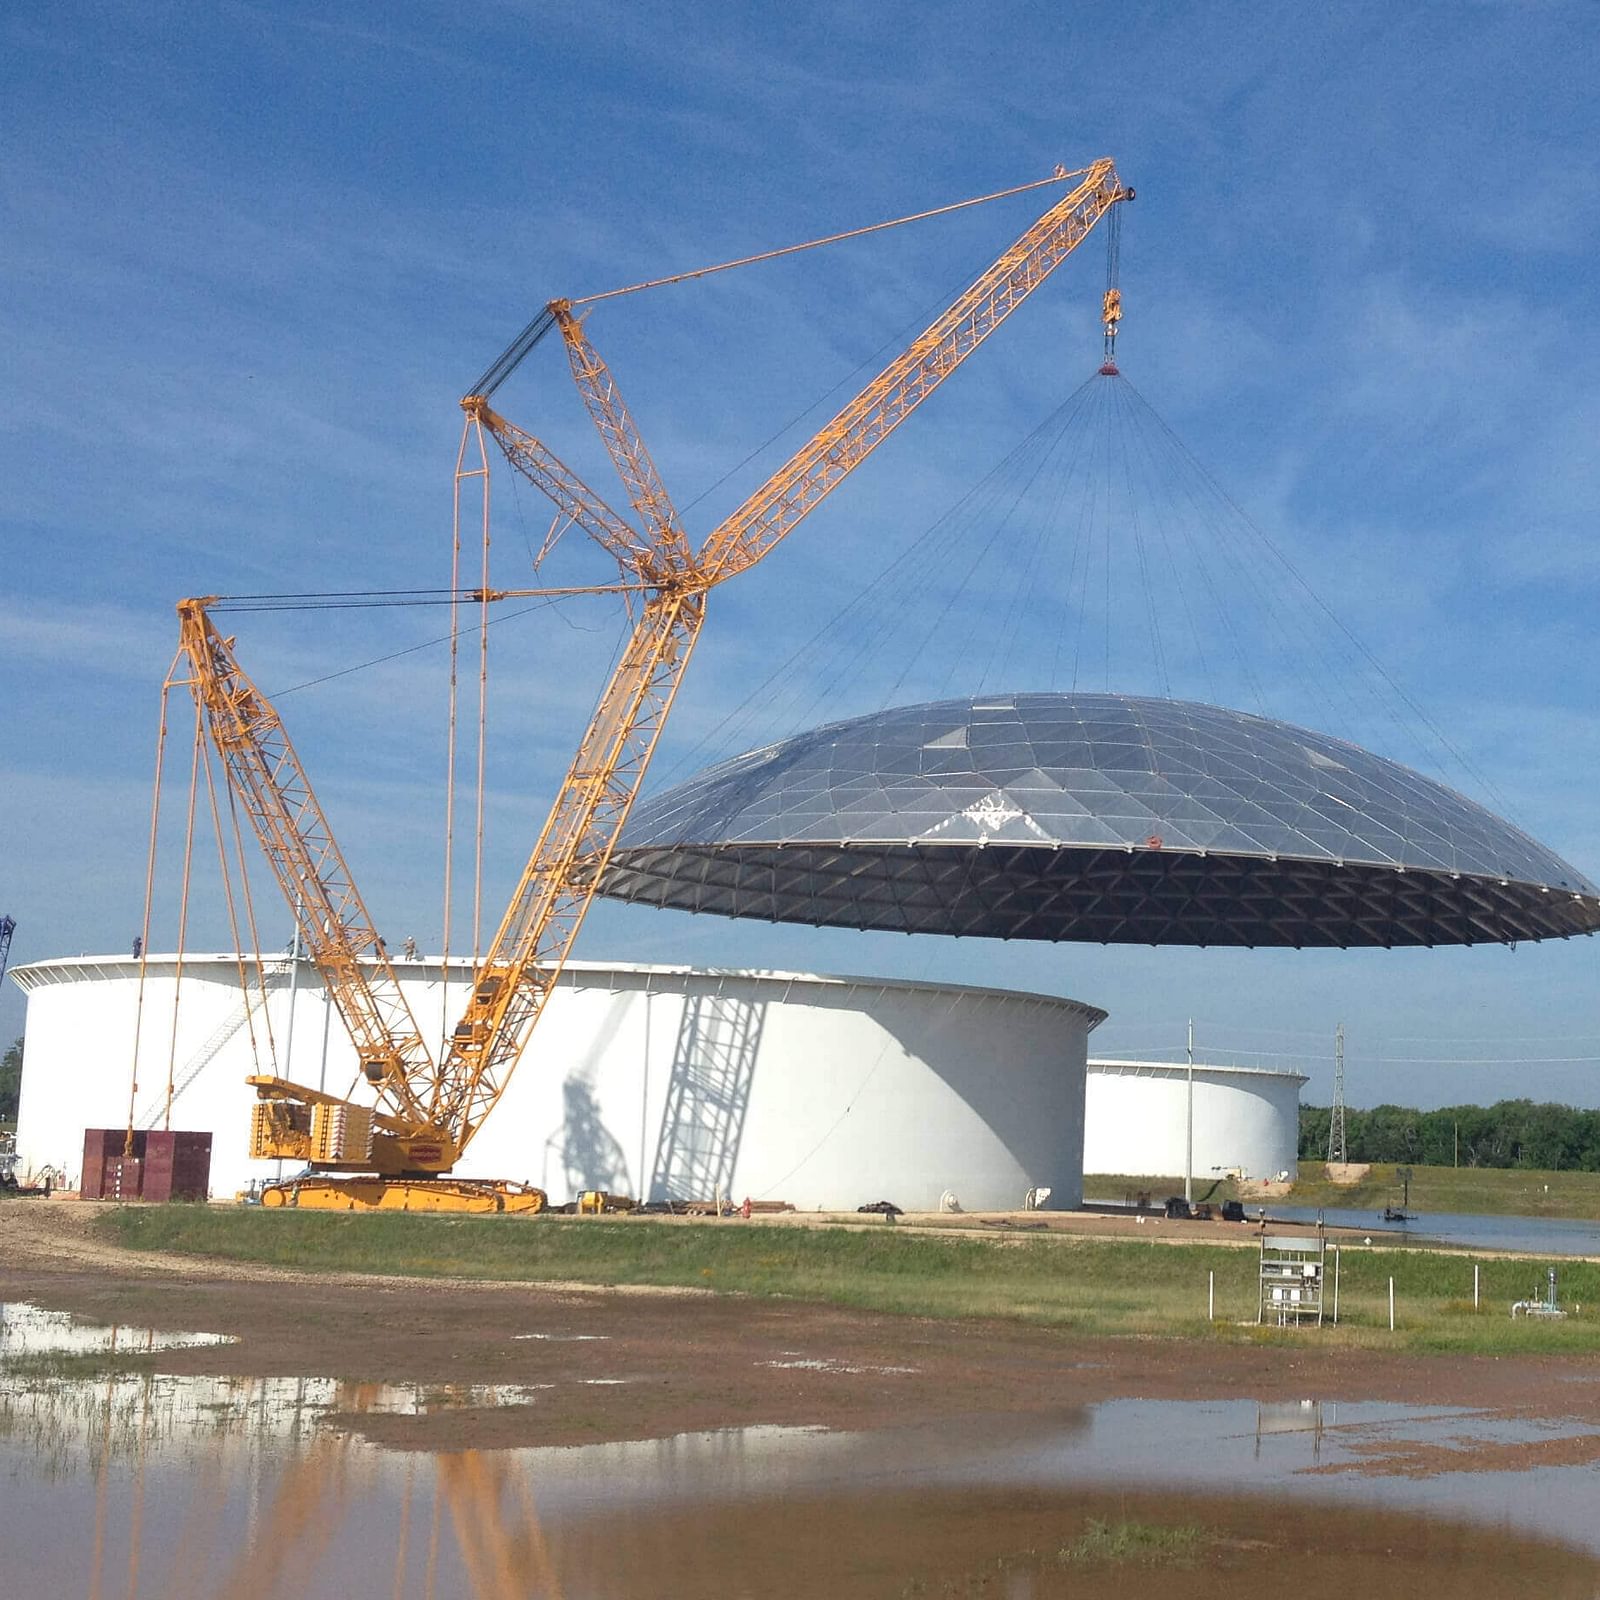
x: 1210, y: 1068
x: 30, y: 975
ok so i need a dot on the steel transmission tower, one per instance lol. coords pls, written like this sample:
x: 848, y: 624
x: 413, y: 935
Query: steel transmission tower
x: 1336, y: 1150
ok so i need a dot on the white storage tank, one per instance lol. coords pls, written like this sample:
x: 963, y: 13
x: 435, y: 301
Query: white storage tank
x: 1246, y: 1119
x: 658, y: 1081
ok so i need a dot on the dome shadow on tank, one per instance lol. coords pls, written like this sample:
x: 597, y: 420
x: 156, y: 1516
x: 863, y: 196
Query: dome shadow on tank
x: 1100, y: 818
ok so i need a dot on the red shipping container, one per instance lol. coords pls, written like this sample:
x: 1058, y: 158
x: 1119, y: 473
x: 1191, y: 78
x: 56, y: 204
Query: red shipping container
x: 165, y: 1165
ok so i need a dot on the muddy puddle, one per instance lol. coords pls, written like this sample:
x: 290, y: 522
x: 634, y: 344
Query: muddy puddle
x: 117, y: 1478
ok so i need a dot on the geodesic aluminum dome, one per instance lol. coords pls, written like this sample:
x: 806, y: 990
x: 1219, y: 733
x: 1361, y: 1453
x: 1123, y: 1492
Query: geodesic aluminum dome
x: 1095, y: 817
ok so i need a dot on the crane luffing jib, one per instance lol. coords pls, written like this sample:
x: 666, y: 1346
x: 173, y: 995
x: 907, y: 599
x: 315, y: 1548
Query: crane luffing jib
x: 446, y: 1104
x: 668, y: 546
x: 570, y: 494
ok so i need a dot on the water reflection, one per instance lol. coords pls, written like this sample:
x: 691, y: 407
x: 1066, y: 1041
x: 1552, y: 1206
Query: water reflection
x: 27, y: 1330
x: 149, y: 1484
x: 1295, y: 1416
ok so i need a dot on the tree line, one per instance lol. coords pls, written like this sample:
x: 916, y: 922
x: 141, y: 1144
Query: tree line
x: 1510, y: 1133
x: 10, y: 1082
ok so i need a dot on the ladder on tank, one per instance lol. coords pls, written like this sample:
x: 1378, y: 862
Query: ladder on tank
x: 242, y: 1013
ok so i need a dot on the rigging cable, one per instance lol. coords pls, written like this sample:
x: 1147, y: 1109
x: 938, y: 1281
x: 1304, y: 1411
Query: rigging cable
x: 1060, y: 175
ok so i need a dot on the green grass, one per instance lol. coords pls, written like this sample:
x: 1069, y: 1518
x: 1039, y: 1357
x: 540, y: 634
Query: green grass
x: 1488, y: 1191
x: 1494, y: 1191
x: 38, y: 1366
x: 1102, y: 1543
x: 1096, y: 1286
x: 1146, y: 1544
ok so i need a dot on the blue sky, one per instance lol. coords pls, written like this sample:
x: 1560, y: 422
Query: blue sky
x: 253, y: 254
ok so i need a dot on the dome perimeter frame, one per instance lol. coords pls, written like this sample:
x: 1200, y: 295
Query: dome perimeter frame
x: 1097, y: 818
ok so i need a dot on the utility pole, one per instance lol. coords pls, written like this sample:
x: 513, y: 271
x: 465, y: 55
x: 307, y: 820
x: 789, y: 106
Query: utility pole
x: 1188, y: 1157
x: 1337, y: 1154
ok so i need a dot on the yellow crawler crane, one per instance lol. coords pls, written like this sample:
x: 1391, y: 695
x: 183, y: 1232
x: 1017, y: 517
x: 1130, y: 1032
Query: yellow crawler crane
x: 396, y: 1152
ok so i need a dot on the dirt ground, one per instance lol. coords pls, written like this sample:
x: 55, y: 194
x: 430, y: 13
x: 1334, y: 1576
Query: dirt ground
x: 696, y: 1360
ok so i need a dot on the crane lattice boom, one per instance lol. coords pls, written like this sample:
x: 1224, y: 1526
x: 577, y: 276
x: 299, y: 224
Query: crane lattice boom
x: 445, y: 1104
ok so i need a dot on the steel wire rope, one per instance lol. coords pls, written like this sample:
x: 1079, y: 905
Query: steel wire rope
x: 150, y: 883
x: 1009, y: 483
x: 1109, y: 563
x: 1370, y: 711
x: 980, y: 561
x: 1050, y: 431
x: 907, y: 650
x: 1333, y: 617
x: 398, y: 599
x: 1296, y: 653
x: 895, y: 341
x: 1096, y: 533
x: 876, y: 640
x: 1065, y: 411
x: 1052, y: 519
x: 916, y: 559
x: 1108, y: 566
x: 1072, y: 448
x: 1060, y: 175
x: 1084, y: 547
x: 1164, y: 480
x: 1083, y: 536
x: 426, y: 644
x: 1089, y: 529
x: 915, y: 581
x: 1004, y: 647
x: 1196, y: 521
x: 247, y: 894
x: 1038, y: 581
x: 1220, y: 608
x: 522, y: 524
x: 1031, y: 535
x: 1095, y: 626
x: 1178, y: 568
x: 200, y: 747
x: 452, y: 737
x: 335, y: 600
x: 1152, y: 615
x: 1307, y: 644
x: 233, y: 914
